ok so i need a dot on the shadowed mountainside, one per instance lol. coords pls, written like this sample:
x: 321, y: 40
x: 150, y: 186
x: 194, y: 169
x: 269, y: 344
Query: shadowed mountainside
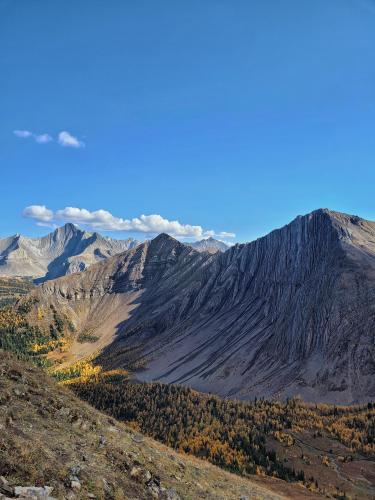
x: 290, y: 313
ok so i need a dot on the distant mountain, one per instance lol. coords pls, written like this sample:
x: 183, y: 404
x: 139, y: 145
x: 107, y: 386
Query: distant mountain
x: 67, y: 250
x: 210, y: 245
x: 290, y: 313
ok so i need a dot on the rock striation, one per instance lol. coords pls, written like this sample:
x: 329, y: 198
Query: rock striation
x: 292, y: 313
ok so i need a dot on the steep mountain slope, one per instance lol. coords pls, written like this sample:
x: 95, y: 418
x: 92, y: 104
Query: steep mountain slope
x: 290, y: 313
x: 209, y: 245
x: 66, y: 250
x: 54, y: 444
x: 107, y: 294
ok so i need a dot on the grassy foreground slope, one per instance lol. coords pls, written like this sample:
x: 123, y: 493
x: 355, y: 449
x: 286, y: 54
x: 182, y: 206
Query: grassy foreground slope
x: 51, y: 438
x: 331, y: 449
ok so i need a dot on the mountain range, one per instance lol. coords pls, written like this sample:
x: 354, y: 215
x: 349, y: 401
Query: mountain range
x: 292, y: 313
x: 67, y: 250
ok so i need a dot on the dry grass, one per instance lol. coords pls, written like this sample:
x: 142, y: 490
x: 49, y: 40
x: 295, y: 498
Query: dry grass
x: 46, y: 432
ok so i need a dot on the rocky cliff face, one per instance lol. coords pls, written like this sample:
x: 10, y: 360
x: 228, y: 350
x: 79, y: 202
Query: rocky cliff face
x: 66, y: 250
x: 290, y: 313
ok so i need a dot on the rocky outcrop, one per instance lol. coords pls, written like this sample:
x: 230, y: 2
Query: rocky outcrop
x: 290, y: 313
x: 67, y: 250
x: 210, y: 245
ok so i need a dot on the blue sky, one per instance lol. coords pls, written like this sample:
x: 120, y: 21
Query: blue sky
x: 230, y: 116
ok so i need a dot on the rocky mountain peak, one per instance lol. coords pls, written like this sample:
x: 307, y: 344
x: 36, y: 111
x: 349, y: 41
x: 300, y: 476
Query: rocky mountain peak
x: 69, y: 226
x: 66, y: 250
x: 210, y: 245
x: 164, y: 237
x: 164, y: 243
x: 67, y: 230
x: 338, y: 217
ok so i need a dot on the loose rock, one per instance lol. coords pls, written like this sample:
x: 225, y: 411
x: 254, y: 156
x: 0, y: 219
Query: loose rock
x: 37, y: 492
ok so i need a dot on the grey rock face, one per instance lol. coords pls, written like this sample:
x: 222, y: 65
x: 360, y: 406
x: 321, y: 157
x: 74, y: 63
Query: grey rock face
x: 210, y: 245
x: 290, y: 313
x: 67, y: 250
x: 33, y: 492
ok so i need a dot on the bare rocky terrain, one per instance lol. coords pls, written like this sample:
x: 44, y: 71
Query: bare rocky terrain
x: 292, y: 313
x: 210, y: 245
x: 67, y: 250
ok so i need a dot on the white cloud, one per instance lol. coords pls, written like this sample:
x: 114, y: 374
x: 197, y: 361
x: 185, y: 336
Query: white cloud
x: 105, y: 221
x: 22, y: 133
x: 47, y: 224
x: 43, y: 138
x: 68, y: 140
x: 64, y: 138
x: 38, y: 212
x: 224, y: 234
x: 213, y: 234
